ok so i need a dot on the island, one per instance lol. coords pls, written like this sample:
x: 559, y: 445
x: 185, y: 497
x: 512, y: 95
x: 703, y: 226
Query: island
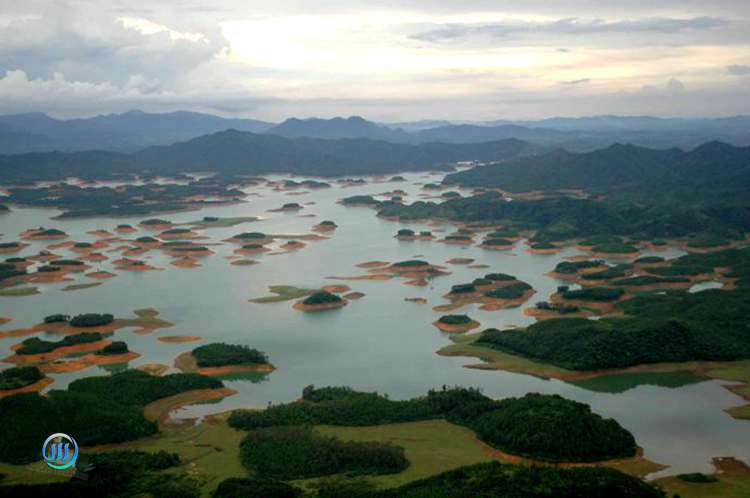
x: 320, y: 301
x: 455, y: 323
x: 325, y: 226
x: 221, y: 359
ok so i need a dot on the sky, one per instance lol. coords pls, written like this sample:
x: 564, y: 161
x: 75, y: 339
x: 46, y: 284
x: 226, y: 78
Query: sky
x: 389, y: 60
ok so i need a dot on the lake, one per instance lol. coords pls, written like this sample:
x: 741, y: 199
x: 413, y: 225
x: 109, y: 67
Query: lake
x: 380, y: 342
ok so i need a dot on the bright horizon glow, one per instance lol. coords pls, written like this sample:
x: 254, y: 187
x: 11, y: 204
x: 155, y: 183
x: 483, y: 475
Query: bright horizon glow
x: 404, y: 60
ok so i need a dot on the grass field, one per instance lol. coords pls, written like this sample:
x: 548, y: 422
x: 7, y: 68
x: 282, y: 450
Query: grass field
x: 283, y: 293
x: 19, y: 292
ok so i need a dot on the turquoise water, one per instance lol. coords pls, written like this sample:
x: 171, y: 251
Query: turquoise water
x: 378, y: 343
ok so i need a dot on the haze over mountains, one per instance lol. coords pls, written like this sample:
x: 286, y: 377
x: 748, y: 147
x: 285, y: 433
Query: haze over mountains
x: 135, y: 130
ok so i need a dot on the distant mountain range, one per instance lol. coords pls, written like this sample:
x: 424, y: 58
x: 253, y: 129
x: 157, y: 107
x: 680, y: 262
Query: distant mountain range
x: 235, y: 152
x: 136, y: 130
x: 127, y: 132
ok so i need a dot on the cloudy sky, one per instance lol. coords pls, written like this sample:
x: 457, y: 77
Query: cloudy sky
x: 386, y: 60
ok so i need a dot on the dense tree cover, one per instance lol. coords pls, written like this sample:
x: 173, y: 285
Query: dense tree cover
x: 16, y: 377
x: 49, y: 232
x: 289, y: 452
x: 327, y: 223
x: 568, y: 430
x: 494, y: 479
x: 29, y: 418
x: 563, y: 309
x: 706, y: 241
x: 503, y: 233
x: 116, y: 348
x: 463, y: 289
x: 9, y: 245
x: 360, y: 199
x: 455, y: 319
x: 34, y: 345
x: 82, y: 245
x: 255, y: 487
x: 92, y: 320
x: 9, y: 271
x: 48, y: 269
x: 512, y: 291
x: 57, y: 318
x: 713, y: 165
x: 94, y: 410
x: 220, y: 354
x: 610, y: 272
x: 140, y: 388
x: 614, y: 248
x: 321, y: 297
x: 499, y: 277
x: 571, y: 267
x: 117, y: 474
x: 405, y: 232
x: 155, y: 221
x: 250, y: 236
x: 649, y: 280
x: 601, y: 294
x: 147, y: 240
x: 599, y: 239
x: 649, y: 260
x: 543, y: 245
x: 497, y: 242
x: 291, y: 205
x: 129, y: 200
x: 563, y: 218
x: 481, y: 281
x: 66, y: 262
x: 674, y: 326
x: 411, y: 262
x: 176, y: 231
x: 537, y: 431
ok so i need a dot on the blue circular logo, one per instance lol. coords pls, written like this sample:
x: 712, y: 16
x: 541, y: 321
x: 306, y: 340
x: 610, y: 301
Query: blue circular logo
x: 60, y: 451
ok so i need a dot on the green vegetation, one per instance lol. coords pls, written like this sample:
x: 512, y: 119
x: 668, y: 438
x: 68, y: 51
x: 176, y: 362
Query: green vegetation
x: 505, y: 233
x: 19, y: 291
x: 299, y: 452
x: 221, y: 354
x: 321, y: 298
x: 291, y: 205
x: 649, y: 260
x: 116, y: 348
x: 610, y: 273
x: 405, y: 232
x: 360, y: 199
x: 614, y: 248
x: 58, y: 318
x: 410, y: 263
x: 255, y: 487
x: 34, y: 345
x: 147, y: 240
x: 176, y: 231
x: 49, y: 232
x: 495, y: 479
x: 550, y: 436
x: 497, y: 242
x: 458, y: 238
x: 17, y: 377
x: 91, y: 320
x: 707, y: 241
x: 155, y: 221
x: 481, y: 281
x: 697, y: 477
x: 250, y: 236
x: 67, y: 262
x: 499, y: 277
x: 649, y: 280
x: 9, y: 245
x: 571, y: 267
x: 597, y: 294
x: 455, y: 319
x: 463, y: 289
x: 543, y: 246
x: 327, y: 223
x: 82, y: 245
x: 512, y: 291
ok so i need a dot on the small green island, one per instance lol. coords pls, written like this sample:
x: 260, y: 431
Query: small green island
x: 455, y: 323
x: 219, y: 358
x: 320, y: 301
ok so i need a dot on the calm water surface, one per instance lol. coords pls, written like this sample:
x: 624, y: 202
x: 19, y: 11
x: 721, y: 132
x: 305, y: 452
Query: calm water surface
x: 380, y: 342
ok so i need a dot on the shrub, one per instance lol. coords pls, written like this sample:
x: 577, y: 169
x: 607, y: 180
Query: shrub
x: 92, y: 320
x: 410, y: 263
x: 405, y: 232
x: 697, y: 477
x: 56, y: 318
x: 463, y: 289
x: 499, y: 277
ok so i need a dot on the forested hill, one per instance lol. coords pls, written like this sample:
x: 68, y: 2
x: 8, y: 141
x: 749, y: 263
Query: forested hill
x: 713, y: 165
x: 236, y: 152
